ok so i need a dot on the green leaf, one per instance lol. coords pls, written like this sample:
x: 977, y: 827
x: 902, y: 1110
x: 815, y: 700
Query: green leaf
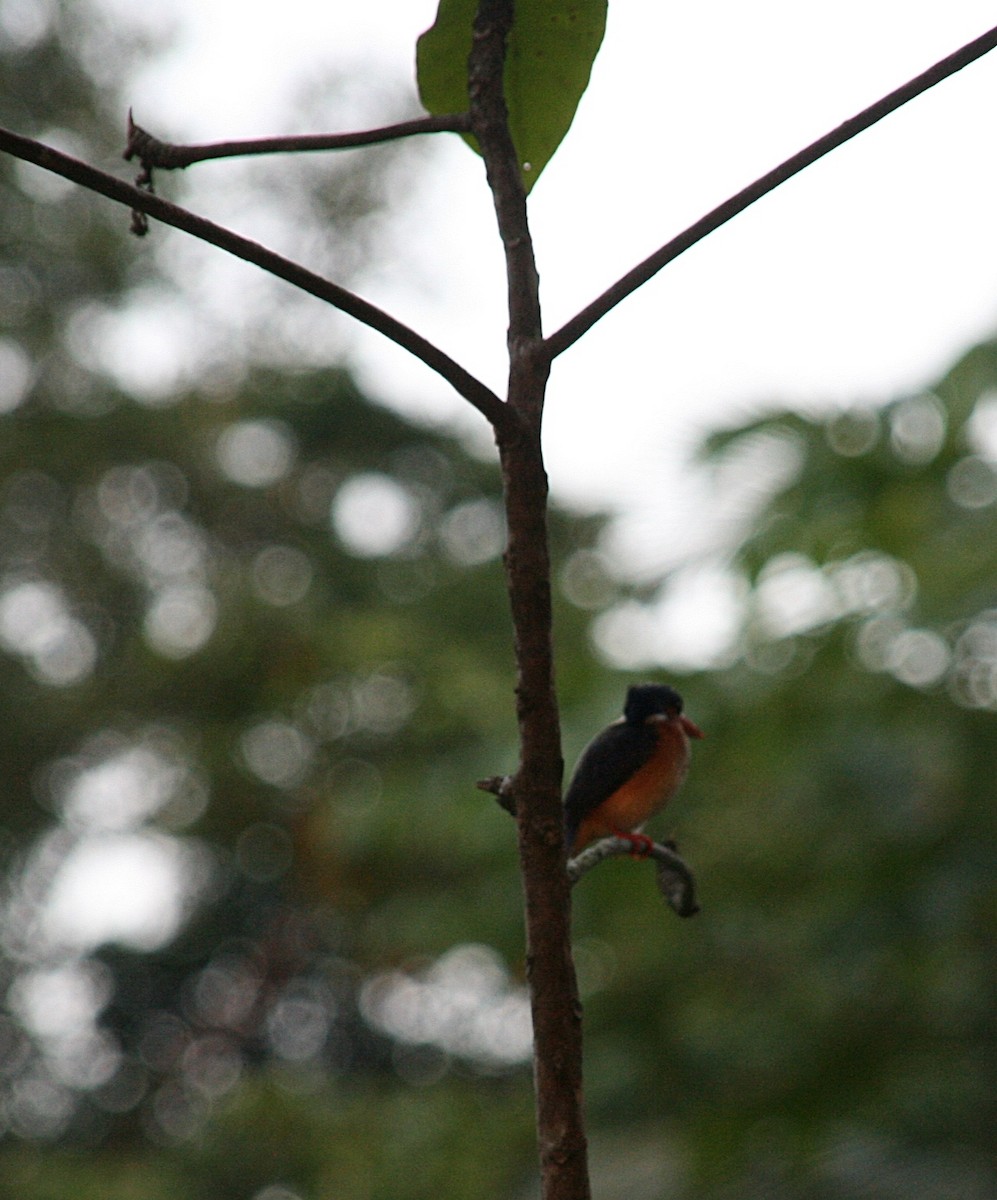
x: 552, y: 46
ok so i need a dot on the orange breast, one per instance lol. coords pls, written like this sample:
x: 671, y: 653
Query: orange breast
x: 644, y: 793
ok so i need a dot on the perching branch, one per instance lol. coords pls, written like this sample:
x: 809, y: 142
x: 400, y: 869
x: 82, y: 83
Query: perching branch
x: 676, y: 881
x: 136, y: 198
x: 152, y: 152
x: 583, y: 321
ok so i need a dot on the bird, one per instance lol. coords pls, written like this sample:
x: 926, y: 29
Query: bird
x: 630, y: 770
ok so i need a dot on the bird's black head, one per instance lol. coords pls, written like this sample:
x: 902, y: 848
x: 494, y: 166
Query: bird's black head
x: 649, y: 699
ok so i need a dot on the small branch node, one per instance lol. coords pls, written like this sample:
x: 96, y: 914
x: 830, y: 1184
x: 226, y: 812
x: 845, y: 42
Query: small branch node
x: 500, y: 786
x: 150, y: 151
x: 141, y: 145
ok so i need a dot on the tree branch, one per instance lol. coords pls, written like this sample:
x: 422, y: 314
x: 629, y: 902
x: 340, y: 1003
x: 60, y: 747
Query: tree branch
x: 168, y: 156
x: 490, y: 125
x: 583, y: 321
x: 465, y: 384
x: 676, y: 881
x: 535, y: 789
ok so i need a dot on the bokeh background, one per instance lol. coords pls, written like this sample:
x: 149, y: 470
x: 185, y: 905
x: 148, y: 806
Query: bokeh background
x: 260, y: 937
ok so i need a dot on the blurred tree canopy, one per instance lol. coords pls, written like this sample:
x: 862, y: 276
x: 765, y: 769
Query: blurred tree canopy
x: 255, y: 652
x: 828, y: 1028
x: 261, y: 939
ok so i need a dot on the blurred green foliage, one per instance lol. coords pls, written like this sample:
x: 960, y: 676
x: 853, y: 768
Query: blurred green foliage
x: 257, y: 631
x: 828, y: 1027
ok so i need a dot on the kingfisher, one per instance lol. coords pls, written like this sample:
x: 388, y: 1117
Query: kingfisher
x: 630, y: 770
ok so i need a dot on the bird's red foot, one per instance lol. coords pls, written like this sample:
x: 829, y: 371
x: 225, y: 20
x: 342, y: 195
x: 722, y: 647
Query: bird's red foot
x: 640, y: 843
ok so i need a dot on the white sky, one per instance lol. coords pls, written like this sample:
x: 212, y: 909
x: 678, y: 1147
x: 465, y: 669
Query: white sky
x: 863, y: 278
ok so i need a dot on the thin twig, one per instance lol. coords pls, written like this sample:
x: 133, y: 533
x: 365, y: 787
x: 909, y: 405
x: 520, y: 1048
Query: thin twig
x: 465, y: 384
x: 583, y: 321
x: 152, y: 152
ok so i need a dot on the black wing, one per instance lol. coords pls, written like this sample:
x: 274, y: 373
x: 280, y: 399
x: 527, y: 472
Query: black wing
x: 605, y: 764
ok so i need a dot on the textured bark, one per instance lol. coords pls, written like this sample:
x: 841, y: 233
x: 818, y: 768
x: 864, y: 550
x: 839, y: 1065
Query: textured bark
x: 537, y: 797
x: 536, y: 786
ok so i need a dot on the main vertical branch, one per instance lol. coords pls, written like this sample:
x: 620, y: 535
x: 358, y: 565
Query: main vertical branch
x: 536, y: 791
